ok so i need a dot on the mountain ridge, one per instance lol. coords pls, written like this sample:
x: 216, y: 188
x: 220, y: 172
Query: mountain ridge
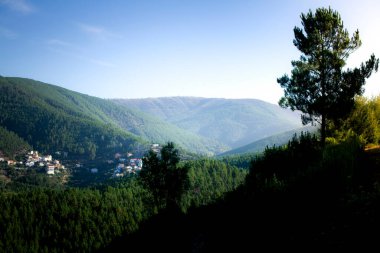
x: 45, y: 111
x: 234, y: 122
x: 274, y: 140
x: 201, y: 125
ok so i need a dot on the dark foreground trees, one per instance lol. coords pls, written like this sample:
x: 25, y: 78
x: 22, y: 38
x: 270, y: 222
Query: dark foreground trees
x: 164, y: 177
x: 319, y: 86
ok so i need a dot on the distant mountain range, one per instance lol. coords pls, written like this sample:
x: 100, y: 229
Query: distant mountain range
x: 233, y: 122
x: 277, y: 140
x: 51, y: 118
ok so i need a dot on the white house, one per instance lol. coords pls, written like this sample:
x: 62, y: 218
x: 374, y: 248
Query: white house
x: 94, y: 170
x: 48, y: 158
x: 50, y: 169
x: 29, y: 164
x: 129, y: 169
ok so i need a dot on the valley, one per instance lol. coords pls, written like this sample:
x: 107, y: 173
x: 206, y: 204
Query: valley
x: 91, y: 130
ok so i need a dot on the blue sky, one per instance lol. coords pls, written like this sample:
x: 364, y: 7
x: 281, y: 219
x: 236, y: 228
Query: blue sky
x: 141, y: 48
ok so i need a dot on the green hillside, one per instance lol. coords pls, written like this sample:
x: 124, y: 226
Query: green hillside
x: 274, y: 140
x: 11, y: 144
x: 233, y: 122
x: 52, y: 118
x: 154, y: 129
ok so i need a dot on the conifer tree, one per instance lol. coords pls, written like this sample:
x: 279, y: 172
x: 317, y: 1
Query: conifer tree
x: 163, y: 176
x: 319, y: 85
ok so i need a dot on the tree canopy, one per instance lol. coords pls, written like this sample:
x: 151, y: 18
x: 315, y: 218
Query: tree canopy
x: 163, y: 176
x: 319, y: 86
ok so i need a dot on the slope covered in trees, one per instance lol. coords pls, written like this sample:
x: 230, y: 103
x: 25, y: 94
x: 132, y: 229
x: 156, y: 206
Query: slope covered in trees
x: 298, y: 196
x: 233, y: 122
x: 42, y: 219
x: 52, y: 118
x: 363, y: 121
x: 274, y: 140
x: 11, y: 144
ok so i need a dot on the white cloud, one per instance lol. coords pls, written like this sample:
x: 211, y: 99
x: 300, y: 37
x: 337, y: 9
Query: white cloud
x: 97, y: 31
x: 57, y: 42
x: 6, y: 33
x: 18, y: 5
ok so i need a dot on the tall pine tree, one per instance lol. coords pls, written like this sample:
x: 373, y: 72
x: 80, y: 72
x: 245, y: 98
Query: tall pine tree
x: 319, y: 86
x: 163, y: 176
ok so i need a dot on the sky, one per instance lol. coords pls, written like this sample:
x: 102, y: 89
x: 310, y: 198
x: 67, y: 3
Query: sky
x: 161, y: 48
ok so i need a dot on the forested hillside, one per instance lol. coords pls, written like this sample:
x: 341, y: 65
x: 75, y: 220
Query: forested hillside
x: 44, y: 219
x: 233, y: 122
x: 11, y: 144
x: 298, y: 196
x: 51, y: 118
x: 275, y: 140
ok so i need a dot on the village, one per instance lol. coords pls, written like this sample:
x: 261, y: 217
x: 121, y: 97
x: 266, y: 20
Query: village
x: 34, y: 160
x: 129, y: 165
x: 120, y: 165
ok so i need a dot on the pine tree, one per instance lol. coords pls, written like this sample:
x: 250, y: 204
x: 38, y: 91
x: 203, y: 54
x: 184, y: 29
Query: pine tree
x: 163, y: 176
x: 319, y: 86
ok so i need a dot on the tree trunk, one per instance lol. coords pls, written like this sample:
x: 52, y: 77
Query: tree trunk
x: 323, y: 130
x: 323, y: 86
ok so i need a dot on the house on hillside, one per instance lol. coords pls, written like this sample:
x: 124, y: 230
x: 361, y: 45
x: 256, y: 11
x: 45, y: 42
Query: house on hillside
x: 129, y: 169
x: 136, y: 163
x: 50, y: 169
x: 47, y: 158
x: 94, y: 170
x: 29, y: 164
x: 2, y: 159
x: 11, y: 162
x: 33, y: 153
x: 155, y: 148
